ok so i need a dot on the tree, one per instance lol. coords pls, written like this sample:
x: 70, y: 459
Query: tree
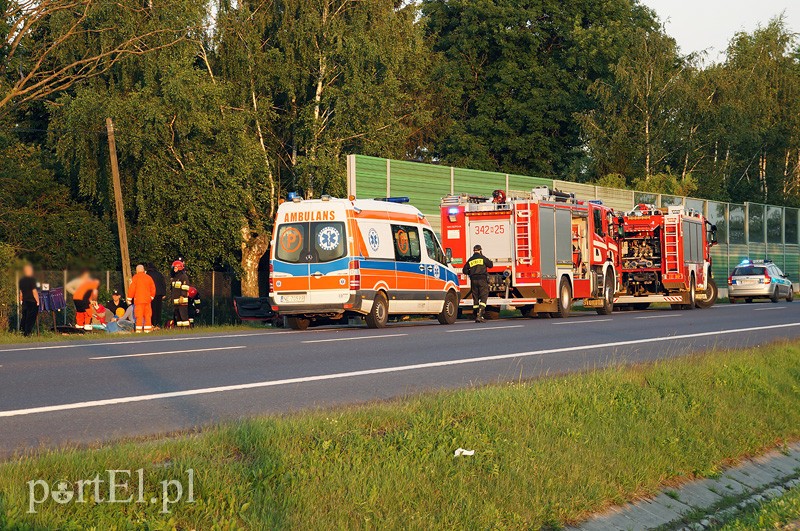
x: 48, y: 46
x: 628, y: 133
x: 514, y: 74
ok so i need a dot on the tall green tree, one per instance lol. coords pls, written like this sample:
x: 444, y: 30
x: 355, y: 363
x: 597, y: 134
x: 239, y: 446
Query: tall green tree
x: 515, y: 74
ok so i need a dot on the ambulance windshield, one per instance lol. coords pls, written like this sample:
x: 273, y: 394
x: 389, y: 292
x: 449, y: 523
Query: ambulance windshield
x: 311, y: 242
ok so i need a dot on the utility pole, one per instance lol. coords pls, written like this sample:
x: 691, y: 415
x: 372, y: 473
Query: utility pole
x: 121, y: 229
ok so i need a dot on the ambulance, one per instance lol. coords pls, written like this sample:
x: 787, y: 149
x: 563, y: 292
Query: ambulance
x: 335, y: 258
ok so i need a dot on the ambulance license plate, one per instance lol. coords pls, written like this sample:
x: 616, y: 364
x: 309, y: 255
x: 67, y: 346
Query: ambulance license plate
x: 293, y: 298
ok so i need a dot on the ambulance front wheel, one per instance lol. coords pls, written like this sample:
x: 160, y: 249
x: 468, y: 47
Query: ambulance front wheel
x: 449, y: 312
x: 378, y: 316
x: 298, y: 323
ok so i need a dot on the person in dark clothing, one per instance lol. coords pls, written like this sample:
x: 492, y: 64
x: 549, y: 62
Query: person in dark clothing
x: 161, y: 293
x: 116, y: 303
x: 29, y: 299
x: 477, y: 269
x: 180, y: 293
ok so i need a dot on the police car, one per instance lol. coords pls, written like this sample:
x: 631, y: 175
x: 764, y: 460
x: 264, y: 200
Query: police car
x: 759, y: 279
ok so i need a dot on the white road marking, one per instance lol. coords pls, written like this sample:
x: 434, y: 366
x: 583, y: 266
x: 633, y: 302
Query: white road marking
x: 582, y: 321
x: 768, y: 309
x: 140, y: 341
x: 659, y: 316
x: 484, y: 329
x: 352, y: 338
x: 371, y: 372
x: 145, y: 354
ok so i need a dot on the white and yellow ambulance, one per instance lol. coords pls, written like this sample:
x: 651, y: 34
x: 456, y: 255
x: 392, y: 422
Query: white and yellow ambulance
x: 332, y: 258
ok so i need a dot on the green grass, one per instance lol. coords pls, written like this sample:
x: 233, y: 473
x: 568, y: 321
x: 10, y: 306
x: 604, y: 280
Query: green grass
x: 48, y: 336
x: 774, y: 514
x: 548, y: 452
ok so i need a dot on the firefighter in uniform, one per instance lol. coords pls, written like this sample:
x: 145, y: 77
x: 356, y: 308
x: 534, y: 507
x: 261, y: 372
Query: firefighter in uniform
x: 141, y: 293
x: 477, y: 269
x: 180, y: 293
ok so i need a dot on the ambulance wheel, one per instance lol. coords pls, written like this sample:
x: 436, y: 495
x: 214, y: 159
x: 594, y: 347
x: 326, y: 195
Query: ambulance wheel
x: 608, y: 296
x: 298, y: 323
x: 564, y: 300
x: 774, y: 296
x: 449, y: 312
x: 378, y: 316
x: 711, y: 295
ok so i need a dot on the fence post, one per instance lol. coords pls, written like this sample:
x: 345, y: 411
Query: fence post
x: 16, y: 295
x: 213, y: 297
x: 108, y: 280
x: 65, y: 296
x: 452, y: 180
x: 388, y: 178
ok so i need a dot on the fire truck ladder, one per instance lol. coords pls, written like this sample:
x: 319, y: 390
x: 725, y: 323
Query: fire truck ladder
x: 522, y: 226
x: 671, y: 226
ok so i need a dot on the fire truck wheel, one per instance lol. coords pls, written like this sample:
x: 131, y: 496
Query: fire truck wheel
x: 711, y: 295
x: 378, y: 316
x: 449, y: 312
x: 298, y: 323
x: 692, y: 296
x: 608, y: 296
x: 564, y: 301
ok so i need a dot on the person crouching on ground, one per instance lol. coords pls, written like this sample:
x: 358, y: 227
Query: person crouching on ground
x: 141, y: 292
x: 81, y: 289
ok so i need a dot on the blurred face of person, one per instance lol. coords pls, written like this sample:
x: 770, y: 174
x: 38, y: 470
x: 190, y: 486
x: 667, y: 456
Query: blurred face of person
x: 27, y: 271
x: 116, y: 297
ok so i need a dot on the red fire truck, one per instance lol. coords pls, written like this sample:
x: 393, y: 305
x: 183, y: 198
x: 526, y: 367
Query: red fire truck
x: 665, y: 258
x: 548, y: 249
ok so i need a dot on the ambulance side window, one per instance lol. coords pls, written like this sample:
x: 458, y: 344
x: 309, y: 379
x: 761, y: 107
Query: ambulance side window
x: 406, y: 243
x: 433, y: 247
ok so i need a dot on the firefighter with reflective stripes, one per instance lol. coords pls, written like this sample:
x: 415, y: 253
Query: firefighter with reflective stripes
x: 141, y: 293
x: 477, y: 269
x: 180, y: 293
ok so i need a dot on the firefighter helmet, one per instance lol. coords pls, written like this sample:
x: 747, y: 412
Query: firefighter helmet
x: 178, y: 264
x: 192, y: 292
x: 477, y: 248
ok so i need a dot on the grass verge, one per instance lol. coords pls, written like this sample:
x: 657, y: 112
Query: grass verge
x: 48, y: 336
x: 780, y: 513
x: 547, y: 452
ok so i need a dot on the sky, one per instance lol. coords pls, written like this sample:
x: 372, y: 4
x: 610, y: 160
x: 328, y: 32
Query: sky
x: 709, y: 24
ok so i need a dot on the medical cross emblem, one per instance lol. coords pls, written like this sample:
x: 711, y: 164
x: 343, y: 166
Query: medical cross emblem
x: 374, y: 241
x: 328, y: 238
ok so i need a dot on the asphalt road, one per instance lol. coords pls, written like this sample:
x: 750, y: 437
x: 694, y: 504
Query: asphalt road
x: 87, y: 392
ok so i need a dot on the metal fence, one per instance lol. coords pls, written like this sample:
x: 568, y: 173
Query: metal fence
x: 749, y: 230
x: 215, y: 292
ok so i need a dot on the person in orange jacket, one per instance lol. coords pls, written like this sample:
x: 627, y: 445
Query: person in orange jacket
x: 82, y: 289
x: 141, y: 292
